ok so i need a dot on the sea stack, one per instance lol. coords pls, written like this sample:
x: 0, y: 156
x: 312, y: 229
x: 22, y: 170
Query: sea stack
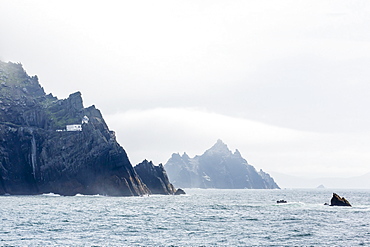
x: 155, y: 177
x: 180, y: 192
x: 336, y: 200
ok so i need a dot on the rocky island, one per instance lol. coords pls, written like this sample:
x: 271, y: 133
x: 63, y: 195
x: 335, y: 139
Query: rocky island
x: 217, y: 168
x: 51, y: 145
x: 336, y: 200
x: 155, y: 177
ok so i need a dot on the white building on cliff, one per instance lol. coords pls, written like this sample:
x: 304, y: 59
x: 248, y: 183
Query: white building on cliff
x: 74, y: 127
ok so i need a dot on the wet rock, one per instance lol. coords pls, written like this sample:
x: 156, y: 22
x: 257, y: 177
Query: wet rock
x: 336, y: 200
x: 36, y: 159
x: 180, y: 192
x: 155, y: 177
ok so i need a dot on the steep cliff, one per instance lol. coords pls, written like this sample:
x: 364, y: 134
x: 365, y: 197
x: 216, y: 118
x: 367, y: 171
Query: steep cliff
x: 219, y: 168
x: 155, y: 177
x: 49, y: 145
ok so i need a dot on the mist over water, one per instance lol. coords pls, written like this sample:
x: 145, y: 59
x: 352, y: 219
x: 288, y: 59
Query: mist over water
x: 201, y: 218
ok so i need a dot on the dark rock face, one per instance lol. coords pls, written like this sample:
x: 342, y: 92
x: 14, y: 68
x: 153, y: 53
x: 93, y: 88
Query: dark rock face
x: 155, y: 177
x: 219, y: 168
x: 336, y: 200
x: 38, y: 154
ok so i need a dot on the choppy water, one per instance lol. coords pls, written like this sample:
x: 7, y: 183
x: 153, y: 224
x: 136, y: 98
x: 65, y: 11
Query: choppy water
x: 201, y: 218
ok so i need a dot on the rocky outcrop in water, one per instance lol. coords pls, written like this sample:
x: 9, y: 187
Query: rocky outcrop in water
x: 49, y: 145
x: 336, y: 200
x: 180, y: 192
x: 155, y: 177
x: 218, y: 168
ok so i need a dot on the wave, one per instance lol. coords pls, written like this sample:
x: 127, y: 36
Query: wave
x: 82, y: 195
x: 50, y: 194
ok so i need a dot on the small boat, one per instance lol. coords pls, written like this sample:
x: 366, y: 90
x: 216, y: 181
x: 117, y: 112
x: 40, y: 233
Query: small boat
x: 281, y: 201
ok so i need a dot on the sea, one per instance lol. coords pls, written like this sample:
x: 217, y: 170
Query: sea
x: 202, y: 217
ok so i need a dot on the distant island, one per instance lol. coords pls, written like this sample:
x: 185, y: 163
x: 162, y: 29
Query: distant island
x: 51, y: 145
x: 217, y: 168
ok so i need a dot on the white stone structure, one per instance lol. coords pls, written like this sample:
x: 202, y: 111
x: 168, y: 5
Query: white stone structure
x: 74, y: 127
x: 85, y: 120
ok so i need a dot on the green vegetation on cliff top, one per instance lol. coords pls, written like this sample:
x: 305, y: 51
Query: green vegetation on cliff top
x: 17, y: 89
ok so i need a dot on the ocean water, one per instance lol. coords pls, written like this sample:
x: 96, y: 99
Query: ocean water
x: 201, y: 218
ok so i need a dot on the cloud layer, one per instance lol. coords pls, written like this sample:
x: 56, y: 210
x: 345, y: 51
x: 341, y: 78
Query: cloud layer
x: 286, y: 82
x: 156, y: 134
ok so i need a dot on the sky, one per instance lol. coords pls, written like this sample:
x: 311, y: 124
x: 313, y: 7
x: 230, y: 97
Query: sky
x: 286, y: 82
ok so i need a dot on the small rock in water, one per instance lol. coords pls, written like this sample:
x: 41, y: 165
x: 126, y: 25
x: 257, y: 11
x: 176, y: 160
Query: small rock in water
x: 336, y: 200
x: 180, y: 192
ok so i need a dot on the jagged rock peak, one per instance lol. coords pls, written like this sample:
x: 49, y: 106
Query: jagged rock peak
x: 47, y: 148
x: 237, y: 153
x: 146, y: 162
x: 176, y: 156
x: 75, y: 101
x: 218, y: 167
x: 336, y: 200
x: 219, y: 148
x: 155, y: 177
x: 15, y: 84
x: 185, y: 156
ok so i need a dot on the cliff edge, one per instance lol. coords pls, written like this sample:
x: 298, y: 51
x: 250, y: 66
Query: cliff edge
x: 48, y: 145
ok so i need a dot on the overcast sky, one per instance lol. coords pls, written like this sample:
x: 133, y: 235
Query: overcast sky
x: 287, y: 83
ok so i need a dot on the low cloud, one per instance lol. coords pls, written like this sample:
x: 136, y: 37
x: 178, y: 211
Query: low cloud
x: 157, y: 133
x: 285, y: 82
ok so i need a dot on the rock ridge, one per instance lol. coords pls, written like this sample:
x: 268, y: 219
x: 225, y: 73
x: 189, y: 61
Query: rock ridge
x: 48, y: 145
x: 155, y: 177
x: 217, y: 167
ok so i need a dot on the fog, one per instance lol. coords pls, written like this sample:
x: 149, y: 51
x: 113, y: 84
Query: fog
x: 285, y: 82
